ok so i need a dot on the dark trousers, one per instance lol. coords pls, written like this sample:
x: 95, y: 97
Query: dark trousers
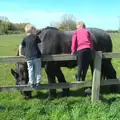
x: 84, y: 58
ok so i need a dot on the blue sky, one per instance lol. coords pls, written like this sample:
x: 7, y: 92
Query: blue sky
x: 95, y: 13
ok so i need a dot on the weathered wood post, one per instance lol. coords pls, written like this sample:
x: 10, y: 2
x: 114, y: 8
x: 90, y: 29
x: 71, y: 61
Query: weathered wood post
x: 96, y: 76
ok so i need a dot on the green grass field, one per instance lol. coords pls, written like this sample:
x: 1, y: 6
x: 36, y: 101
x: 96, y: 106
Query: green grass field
x: 76, y: 107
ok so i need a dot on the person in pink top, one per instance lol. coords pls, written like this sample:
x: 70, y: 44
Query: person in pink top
x: 82, y: 46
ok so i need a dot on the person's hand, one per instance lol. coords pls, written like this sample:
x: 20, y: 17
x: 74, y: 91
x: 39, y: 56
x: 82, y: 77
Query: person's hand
x: 22, y: 56
x: 71, y: 53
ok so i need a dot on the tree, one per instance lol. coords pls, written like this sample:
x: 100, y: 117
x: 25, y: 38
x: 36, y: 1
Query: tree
x: 13, y: 27
x: 22, y: 26
x: 4, y: 25
x: 67, y: 22
x: 7, y: 27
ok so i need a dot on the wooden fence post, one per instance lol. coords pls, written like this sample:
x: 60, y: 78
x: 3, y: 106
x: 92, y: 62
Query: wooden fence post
x: 96, y: 76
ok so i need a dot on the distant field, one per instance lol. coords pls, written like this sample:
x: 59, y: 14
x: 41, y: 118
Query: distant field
x: 76, y: 107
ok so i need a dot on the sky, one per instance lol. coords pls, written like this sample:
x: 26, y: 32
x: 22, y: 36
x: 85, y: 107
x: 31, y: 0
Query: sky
x: 102, y: 14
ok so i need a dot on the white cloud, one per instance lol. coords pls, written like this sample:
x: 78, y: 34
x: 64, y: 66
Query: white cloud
x: 43, y: 18
x: 38, y: 18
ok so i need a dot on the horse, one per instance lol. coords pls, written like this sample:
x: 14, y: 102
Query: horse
x: 54, y: 41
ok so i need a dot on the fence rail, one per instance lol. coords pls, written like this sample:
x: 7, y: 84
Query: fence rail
x: 98, y: 56
x: 61, y: 57
x: 81, y: 84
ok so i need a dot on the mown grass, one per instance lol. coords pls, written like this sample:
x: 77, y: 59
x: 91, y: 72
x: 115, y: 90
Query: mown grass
x: 76, y: 107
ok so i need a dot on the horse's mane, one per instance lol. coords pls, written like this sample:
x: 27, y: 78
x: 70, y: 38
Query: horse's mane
x: 53, y: 28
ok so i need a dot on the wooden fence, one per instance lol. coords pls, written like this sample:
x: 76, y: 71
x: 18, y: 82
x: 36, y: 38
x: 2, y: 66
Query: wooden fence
x: 95, y: 83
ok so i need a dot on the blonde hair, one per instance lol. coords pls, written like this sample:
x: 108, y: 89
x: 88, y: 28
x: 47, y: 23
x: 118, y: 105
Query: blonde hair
x: 29, y: 28
x: 81, y: 24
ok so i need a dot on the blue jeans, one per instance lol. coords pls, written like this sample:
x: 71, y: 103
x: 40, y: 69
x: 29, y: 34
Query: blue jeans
x: 34, y: 70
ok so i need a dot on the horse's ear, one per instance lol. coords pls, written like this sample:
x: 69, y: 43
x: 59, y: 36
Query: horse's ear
x: 14, y: 73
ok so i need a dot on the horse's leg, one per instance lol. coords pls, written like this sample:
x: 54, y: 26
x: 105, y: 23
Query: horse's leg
x: 110, y: 73
x: 109, y: 69
x: 51, y: 79
x: 61, y: 79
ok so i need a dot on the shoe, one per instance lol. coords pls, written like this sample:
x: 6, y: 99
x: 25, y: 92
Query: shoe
x: 76, y: 77
x: 31, y: 85
x: 37, y: 86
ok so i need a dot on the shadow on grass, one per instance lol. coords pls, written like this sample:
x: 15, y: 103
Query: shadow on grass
x: 2, y: 107
x: 111, y: 89
x: 81, y: 93
x: 40, y: 95
x: 109, y: 100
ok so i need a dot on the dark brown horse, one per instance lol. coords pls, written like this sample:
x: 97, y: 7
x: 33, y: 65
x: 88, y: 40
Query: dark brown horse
x: 55, y: 41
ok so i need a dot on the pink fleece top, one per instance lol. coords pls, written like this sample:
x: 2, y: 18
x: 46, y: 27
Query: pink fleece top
x: 81, y: 39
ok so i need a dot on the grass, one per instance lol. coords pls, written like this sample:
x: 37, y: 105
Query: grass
x: 76, y: 107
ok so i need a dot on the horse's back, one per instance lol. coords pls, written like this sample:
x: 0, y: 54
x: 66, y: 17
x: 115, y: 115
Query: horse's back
x: 101, y: 39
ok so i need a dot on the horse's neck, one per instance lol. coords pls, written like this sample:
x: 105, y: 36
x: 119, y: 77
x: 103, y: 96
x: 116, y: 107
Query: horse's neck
x: 20, y: 63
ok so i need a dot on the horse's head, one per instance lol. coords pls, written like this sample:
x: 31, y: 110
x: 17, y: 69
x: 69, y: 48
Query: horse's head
x: 21, y: 76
